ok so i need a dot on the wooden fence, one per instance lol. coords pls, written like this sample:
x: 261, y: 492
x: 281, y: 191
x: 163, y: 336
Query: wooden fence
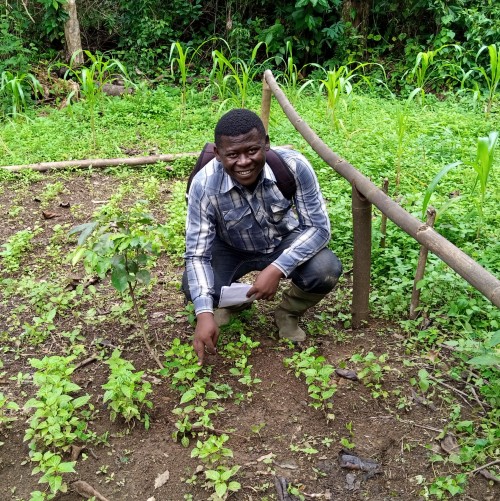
x: 364, y: 194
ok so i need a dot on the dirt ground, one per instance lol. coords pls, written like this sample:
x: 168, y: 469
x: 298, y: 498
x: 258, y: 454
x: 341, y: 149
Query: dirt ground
x: 399, y: 438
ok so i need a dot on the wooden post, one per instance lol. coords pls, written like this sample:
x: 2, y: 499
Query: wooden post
x: 362, y: 231
x: 383, y: 223
x: 422, y: 261
x: 265, y: 108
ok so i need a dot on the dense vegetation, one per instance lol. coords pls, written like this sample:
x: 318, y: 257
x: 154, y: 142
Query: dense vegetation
x: 405, y: 90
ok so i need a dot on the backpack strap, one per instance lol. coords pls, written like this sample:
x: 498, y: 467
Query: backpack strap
x: 283, y: 174
x: 285, y: 179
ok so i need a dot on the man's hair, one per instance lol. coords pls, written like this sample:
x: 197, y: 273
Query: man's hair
x: 237, y: 122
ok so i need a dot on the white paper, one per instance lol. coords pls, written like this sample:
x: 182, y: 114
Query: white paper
x: 234, y: 295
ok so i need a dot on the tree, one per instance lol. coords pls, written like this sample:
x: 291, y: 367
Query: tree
x: 72, y: 34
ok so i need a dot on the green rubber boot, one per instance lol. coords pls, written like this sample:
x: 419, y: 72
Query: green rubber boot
x: 294, y: 304
x: 222, y: 316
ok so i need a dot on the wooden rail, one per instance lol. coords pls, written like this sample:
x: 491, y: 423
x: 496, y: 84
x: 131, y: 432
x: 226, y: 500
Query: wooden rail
x: 365, y: 193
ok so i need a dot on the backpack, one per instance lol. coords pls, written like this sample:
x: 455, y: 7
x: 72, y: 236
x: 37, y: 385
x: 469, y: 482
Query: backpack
x: 285, y: 179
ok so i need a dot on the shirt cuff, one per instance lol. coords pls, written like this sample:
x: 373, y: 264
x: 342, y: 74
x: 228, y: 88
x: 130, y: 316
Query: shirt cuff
x: 202, y: 304
x: 283, y: 270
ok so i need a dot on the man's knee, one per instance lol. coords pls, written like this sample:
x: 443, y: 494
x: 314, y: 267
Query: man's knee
x: 323, y: 272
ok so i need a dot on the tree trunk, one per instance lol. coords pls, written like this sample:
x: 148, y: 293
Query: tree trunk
x: 356, y: 12
x: 72, y: 35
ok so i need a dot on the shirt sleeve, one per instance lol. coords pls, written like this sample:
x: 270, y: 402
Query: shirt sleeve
x: 314, y: 223
x: 200, y: 234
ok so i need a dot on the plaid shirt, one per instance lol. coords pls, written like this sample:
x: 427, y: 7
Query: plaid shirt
x: 252, y: 221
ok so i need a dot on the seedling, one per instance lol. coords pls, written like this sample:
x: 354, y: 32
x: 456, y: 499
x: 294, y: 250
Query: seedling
x: 126, y: 391
x: 317, y: 374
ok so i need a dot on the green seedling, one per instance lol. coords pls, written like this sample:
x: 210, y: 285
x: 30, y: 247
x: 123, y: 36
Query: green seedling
x: 13, y: 87
x: 8, y: 408
x: 212, y: 450
x: 373, y: 371
x: 317, y: 374
x: 491, y: 77
x: 220, y: 480
x: 126, y: 391
x: 17, y: 246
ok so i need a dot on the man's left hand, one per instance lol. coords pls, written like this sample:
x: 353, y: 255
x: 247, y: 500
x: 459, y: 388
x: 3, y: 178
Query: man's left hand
x: 266, y: 283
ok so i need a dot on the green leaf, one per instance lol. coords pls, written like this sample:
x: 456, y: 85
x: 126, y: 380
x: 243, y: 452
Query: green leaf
x: 432, y: 186
x: 188, y: 396
x: 212, y: 475
x: 488, y: 360
x: 85, y: 231
x: 119, y: 279
x: 143, y: 276
x: 220, y: 489
x: 78, y: 402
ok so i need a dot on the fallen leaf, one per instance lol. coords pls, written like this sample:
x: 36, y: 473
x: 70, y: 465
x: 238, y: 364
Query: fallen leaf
x: 162, y: 479
x: 151, y: 499
x: 50, y: 215
x: 267, y: 456
x: 487, y: 474
x: 87, y: 491
x: 289, y: 464
x: 352, y: 462
x: 449, y: 444
x: 65, y: 205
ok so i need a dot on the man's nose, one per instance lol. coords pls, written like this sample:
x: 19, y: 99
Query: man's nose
x: 243, y: 160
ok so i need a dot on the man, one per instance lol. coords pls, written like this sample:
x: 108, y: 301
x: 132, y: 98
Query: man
x: 239, y: 221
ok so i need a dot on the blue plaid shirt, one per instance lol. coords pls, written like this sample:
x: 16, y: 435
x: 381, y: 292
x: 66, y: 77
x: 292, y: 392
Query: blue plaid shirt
x: 252, y: 221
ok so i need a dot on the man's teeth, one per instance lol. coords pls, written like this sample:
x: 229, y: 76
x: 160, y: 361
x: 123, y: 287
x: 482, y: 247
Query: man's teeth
x: 244, y: 172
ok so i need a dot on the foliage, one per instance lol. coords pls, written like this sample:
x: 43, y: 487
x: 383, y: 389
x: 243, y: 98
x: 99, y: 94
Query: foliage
x: 16, y: 247
x: 491, y: 78
x: 126, y: 391
x: 14, y: 88
x: 317, y: 374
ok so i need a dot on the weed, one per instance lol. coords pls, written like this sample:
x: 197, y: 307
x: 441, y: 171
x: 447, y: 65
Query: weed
x: 373, y: 372
x: 17, y: 246
x: 492, y: 78
x: 13, y: 86
x: 220, y: 480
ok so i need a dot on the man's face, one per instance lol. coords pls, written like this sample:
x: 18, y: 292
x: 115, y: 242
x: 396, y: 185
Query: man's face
x: 243, y: 157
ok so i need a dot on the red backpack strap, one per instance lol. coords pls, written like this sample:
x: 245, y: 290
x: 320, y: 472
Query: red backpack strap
x: 207, y: 154
x: 283, y: 174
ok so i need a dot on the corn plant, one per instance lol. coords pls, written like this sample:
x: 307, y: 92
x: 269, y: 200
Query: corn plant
x: 91, y: 78
x: 482, y: 166
x: 13, y: 88
x: 492, y: 78
x: 424, y: 68
x: 240, y: 74
x: 291, y: 75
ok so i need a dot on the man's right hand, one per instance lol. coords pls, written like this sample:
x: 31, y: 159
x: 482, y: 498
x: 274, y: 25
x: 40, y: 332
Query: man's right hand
x: 205, y: 335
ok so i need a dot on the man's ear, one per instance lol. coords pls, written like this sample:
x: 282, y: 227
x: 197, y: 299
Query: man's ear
x: 268, y: 144
x: 217, y: 156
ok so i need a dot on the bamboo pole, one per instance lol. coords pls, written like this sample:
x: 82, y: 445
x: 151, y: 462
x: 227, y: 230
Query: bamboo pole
x: 422, y: 261
x: 265, y: 109
x: 100, y: 162
x: 463, y: 264
x: 383, y: 223
x: 362, y: 234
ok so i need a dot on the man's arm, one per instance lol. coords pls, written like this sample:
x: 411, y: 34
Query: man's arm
x: 200, y: 233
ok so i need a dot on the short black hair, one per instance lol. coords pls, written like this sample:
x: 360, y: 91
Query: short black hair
x: 238, y: 121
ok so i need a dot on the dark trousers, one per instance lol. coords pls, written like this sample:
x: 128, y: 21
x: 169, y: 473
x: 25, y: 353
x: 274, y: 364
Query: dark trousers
x: 317, y: 275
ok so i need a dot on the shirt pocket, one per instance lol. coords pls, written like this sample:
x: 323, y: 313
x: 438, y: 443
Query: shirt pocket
x: 238, y: 219
x: 279, y: 210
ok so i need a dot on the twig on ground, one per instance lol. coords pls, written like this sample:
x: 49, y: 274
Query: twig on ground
x: 85, y: 362
x: 497, y: 461
x: 437, y: 430
x: 460, y: 393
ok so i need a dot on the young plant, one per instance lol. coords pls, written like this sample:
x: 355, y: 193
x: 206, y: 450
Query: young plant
x: 91, y: 79
x: 212, y: 450
x: 8, y: 408
x: 13, y: 87
x: 482, y: 166
x: 220, y: 480
x: 492, y: 78
x: 125, y: 244
x: 317, y: 374
x: 16, y: 247
x: 126, y: 392
x: 373, y: 371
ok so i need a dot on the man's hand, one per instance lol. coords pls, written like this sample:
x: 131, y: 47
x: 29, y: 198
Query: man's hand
x: 205, y: 335
x: 266, y: 283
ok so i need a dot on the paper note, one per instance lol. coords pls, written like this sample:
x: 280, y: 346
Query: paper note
x: 234, y: 295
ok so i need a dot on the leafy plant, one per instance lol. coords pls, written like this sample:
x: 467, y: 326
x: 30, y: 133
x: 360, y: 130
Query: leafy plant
x: 7, y: 410
x: 126, y: 391
x: 220, y: 480
x: 492, y: 78
x: 17, y: 246
x: 14, y: 86
x: 212, y: 450
x: 317, y: 374
x: 125, y: 244
x: 373, y: 371
x: 91, y: 80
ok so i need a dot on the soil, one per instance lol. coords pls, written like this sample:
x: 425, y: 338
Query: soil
x: 399, y: 431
